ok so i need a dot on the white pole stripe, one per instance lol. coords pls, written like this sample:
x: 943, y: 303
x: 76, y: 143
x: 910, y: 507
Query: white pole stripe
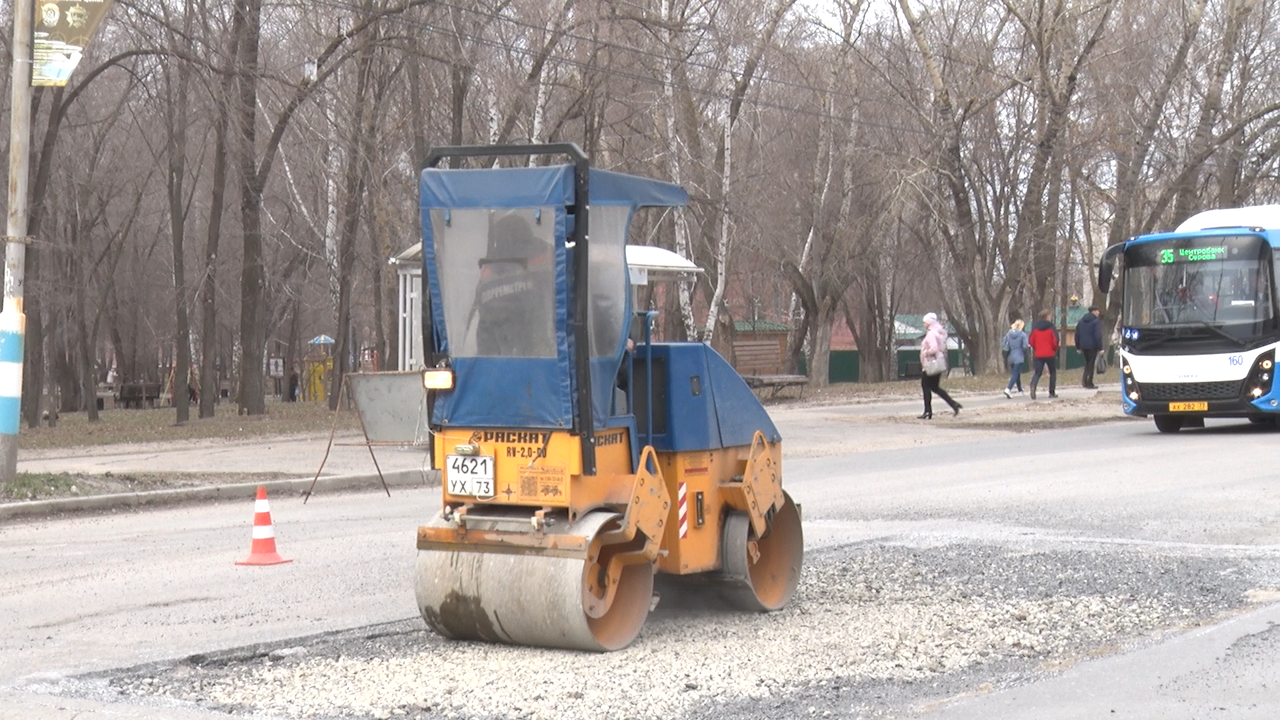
x: 10, y: 379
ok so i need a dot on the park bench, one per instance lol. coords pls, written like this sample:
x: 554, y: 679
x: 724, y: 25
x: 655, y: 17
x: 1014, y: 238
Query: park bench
x: 761, y: 365
x: 138, y: 394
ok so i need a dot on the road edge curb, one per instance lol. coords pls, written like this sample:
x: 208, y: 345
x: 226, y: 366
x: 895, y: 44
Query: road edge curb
x: 157, y: 498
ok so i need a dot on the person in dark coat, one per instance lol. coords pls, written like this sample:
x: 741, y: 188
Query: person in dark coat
x: 1044, y: 348
x: 515, y: 298
x: 1089, y: 343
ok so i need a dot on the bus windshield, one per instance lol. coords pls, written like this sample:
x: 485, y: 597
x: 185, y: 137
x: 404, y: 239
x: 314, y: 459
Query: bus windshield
x: 1225, y: 283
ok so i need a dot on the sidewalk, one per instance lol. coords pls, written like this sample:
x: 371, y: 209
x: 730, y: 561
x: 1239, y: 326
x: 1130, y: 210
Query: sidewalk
x: 288, y: 464
x: 238, y: 467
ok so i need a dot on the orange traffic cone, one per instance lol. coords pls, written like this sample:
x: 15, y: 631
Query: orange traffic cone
x: 263, y: 549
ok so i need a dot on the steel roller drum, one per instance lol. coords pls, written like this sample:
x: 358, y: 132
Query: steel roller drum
x: 528, y: 598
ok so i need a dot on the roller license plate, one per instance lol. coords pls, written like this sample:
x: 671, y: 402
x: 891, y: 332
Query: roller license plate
x: 469, y: 475
x: 1188, y: 407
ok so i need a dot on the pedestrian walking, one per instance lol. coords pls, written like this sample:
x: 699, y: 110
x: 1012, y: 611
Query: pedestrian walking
x: 1089, y: 342
x: 1044, y: 350
x: 1015, y: 343
x: 933, y: 363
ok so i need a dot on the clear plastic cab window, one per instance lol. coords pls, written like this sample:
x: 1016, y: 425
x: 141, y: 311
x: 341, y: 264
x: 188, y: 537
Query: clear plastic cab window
x: 496, y: 270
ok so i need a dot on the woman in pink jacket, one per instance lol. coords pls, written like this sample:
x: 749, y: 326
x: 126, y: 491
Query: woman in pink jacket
x: 934, y: 346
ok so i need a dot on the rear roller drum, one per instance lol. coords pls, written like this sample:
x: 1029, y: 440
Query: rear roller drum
x: 762, y: 573
x: 532, y: 599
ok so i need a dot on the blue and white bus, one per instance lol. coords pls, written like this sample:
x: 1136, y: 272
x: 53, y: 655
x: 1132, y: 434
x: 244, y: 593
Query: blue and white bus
x: 1200, y: 324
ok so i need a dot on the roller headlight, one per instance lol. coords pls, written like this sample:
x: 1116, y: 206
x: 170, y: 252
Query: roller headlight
x: 437, y: 379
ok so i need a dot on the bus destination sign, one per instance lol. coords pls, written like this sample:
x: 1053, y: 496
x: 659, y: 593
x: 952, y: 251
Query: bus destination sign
x: 1182, y: 255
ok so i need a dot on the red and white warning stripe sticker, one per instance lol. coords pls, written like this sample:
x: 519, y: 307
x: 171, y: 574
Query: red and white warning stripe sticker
x: 683, y: 501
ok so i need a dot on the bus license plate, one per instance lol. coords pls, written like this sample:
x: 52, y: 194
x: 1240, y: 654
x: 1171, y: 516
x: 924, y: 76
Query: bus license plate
x: 1189, y: 407
x: 470, y: 475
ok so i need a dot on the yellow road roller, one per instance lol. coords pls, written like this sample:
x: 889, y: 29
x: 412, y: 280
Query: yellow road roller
x: 578, y: 458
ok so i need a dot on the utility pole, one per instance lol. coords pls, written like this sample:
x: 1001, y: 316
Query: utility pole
x: 13, y: 321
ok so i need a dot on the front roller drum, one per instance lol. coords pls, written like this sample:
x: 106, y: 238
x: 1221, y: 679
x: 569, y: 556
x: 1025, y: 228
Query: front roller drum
x: 762, y: 573
x: 531, y: 598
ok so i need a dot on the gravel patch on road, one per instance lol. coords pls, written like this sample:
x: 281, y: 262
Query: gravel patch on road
x: 875, y: 630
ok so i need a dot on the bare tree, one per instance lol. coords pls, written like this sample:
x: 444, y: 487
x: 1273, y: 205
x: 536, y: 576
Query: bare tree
x: 721, y: 225
x: 355, y: 177
x: 253, y: 171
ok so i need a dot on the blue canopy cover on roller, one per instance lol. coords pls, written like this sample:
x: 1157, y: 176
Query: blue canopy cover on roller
x: 498, y: 255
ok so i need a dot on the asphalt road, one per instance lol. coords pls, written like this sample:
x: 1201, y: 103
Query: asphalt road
x: 107, y: 591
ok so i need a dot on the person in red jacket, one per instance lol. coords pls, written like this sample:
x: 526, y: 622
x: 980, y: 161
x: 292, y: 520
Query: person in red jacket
x: 1044, y: 347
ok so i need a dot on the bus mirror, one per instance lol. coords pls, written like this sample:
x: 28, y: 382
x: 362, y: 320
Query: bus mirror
x: 1107, y: 265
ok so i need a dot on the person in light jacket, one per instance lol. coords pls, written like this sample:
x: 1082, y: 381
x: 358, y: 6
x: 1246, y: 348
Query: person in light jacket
x: 1015, y: 343
x: 933, y: 345
x: 1044, y: 347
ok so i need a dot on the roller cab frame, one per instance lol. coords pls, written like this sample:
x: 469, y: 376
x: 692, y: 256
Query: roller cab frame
x: 577, y: 457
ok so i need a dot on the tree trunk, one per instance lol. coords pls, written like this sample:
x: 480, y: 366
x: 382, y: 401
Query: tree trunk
x: 84, y: 350
x: 253, y: 331
x: 33, y: 306
x: 353, y: 193
x: 209, y: 380
x: 820, y: 345
x: 33, y: 348
x: 124, y: 361
x: 675, y: 162
x: 1128, y: 192
x: 63, y: 377
x: 176, y: 150
x: 1188, y: 190
x: 723, y: 164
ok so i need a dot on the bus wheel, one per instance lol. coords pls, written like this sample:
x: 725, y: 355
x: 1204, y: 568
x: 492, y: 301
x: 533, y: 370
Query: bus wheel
x: 1168, y: 423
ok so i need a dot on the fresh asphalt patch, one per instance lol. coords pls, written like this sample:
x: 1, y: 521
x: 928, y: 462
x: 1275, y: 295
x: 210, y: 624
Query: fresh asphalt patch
x: 875, y: 630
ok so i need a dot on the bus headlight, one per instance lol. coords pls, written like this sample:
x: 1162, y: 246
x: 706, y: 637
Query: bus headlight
x: 1130, y: 385
x: 1260, y: 379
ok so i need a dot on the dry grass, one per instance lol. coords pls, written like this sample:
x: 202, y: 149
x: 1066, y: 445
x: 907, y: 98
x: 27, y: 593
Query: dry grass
x: 46, y: 486
x: 160, y: 425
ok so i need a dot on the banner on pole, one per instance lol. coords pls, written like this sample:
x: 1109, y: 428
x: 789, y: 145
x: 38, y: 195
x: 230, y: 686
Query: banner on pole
x: 62, y: 32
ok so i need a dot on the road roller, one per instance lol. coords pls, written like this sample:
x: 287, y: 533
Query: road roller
x: 578, y: 457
